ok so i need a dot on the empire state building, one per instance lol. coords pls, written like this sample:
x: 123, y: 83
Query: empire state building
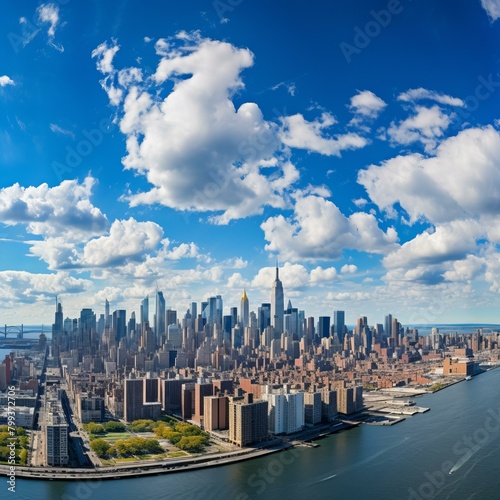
x: 277, y: 304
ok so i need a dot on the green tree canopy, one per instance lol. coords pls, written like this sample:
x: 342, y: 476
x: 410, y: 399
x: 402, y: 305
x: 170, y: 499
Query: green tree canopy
x: 100, y: 447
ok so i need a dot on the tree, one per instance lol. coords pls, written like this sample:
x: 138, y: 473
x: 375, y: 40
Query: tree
x: 100, y: 447
x: 191, y: 443
x: 142, y: 425
x: 153, y: 446
x: 93, y: 428
x: 172, y: 436
x: 125, y: 447
x: 114, y: 427
x: 4, y: 453
x: 4, y: 438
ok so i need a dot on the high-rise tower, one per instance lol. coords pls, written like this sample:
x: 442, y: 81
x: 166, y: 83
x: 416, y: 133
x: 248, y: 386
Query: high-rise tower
x: 160, y: 316
x: 339, y: 325
x: 107, y: 316
x: 388, y: 326
x: 245, y: 310
x: 277, y: 304
x: 144, y: 310
x: 57, y: 330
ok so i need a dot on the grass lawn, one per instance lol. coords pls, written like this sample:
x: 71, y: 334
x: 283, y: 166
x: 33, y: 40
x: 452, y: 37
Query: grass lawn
x: 176, y: 454
x: 161, y: 456
x: 112, y: 437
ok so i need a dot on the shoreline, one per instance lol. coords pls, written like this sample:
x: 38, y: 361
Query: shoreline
x: 137, y: 470
x: 162, y: 467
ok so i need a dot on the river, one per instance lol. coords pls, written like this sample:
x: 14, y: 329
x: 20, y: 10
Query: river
x: 410, y: 460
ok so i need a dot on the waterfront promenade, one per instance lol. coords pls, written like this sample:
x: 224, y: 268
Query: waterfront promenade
x: 142, y: 469
x: 168, y: 466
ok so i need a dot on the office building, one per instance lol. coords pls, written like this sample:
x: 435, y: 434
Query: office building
x: 160, y: 318
x: 245, y: 310
x: 323, y: 326
x: 339, y: 325
x: 144, y: 310
x: 277, y: 304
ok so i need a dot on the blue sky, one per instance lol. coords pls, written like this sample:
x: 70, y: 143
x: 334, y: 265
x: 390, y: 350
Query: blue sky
x: 193, y: 144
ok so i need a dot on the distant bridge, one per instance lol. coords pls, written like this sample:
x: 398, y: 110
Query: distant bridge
x: 19, y: 331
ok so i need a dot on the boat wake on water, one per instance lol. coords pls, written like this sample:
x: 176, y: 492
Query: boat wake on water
x: 467, y: 457
x: 362, y: 462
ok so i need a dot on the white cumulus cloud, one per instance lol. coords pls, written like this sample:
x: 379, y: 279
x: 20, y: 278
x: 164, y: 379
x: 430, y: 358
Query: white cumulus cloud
x: 427, y: 126
x: 492, y: 7
x: 197, y: 150
x: 297, y: 132
x: 128, y: 240
x: 366, y: 103
x: 5, y: 80
x: 420, y: 93
x: 318, y: 230
x: 63, y: 209
x: 22, y: 286
x: 460, y: 181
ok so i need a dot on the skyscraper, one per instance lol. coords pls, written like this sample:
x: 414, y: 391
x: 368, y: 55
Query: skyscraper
x: 131, y: 324
x: 234, y: 316
x: 171, y: 317
x: 388, y: 326
x: 291, y: 320
x: 219, y: 308
x: 107, y: 317
x: 395, y: 327
x: 57, y: 330
x: 245, y: 310
x: 264, y: 316
x: 59, y: 318
x: 310, y: 331
x: 159, y: 316
x: 277, y: 304
x: 119, y: 324
x: 324, y: 326
x: 339, y: 325
x: 144, y: 310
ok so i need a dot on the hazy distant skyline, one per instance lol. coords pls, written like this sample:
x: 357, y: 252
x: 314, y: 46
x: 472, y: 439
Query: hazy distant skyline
x: 190, y: 145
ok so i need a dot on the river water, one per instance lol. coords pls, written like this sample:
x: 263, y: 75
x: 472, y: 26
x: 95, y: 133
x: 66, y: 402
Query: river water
x: 410, y: 460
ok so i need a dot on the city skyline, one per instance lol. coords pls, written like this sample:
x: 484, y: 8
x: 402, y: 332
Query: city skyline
x: 184, y: 150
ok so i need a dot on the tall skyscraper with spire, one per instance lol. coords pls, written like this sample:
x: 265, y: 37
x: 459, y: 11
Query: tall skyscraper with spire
x: 57, y: 330
x: 245, y: 310
x: 59, y: 318
x: 277, y: 304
